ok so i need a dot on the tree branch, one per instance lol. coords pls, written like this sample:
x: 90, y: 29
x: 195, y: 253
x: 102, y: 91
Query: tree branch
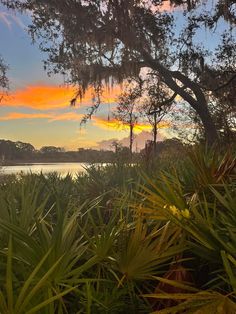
x: 166, y: 102
x: 225, y: 84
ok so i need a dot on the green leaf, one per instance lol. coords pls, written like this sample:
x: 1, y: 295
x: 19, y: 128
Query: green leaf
x: 49, y: 300
x: 9, y: 283
x: 24, y: 291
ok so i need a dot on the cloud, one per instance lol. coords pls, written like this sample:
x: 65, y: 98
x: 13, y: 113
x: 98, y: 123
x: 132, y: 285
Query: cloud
x: 108, y: 124
x: 51, y: 117
x: 45, y: 97
x: 41, y: 97
x: 68, y: 116
x: 9, y: 18
x: 19, y: 115
x: 139, y: 141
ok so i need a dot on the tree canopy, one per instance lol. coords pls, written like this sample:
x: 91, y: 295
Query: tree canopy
x: 125, y: 111
x: 98, y: 42
x: 3, y: 78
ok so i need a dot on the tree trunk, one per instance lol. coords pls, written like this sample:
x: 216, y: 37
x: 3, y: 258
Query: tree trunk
x: 195, y: 97
x: 155, y: 133
x: 131, y: 135
x: 208, y: 124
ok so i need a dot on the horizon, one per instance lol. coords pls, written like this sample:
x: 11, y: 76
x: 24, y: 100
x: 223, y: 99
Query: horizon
x: 106, y: 145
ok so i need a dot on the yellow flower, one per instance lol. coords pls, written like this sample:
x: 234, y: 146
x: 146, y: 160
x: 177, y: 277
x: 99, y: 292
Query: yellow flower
x: 177, y: 212
x: 185, y: 213
x: 174, y: 210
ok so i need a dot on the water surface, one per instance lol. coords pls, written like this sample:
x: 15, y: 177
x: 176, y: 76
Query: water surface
x: 61, y: 168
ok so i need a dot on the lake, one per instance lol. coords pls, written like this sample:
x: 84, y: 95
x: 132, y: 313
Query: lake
x: 61, y: 168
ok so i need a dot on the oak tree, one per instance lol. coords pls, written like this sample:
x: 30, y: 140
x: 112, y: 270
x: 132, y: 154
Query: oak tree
x: 105, y: 41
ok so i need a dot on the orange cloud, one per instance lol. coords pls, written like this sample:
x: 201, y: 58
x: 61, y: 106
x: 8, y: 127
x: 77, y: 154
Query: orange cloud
x: 19, y: 115
x: 45, y: 97
x: 107, y: 124
x: 40, y: 97
x: 68, y: 116
x: 115, y: 124
x: 51, y: 117
x: 111, y: 124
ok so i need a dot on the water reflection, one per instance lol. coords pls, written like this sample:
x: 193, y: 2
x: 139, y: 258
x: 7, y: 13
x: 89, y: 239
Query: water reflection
x: 61, y: 168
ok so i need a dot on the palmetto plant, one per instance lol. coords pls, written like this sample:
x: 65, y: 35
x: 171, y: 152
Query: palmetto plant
x: 205, y: 166
x: 31, y: 293
x: 166, y: 246
x: 206, y: 216
x: 197, y: 302
x: 47, y: 248
x: 128, y: 253
x: 143, y: 252
x: 212, y: 230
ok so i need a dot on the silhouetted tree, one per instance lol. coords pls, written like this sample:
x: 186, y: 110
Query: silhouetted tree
x: 155, y: 105
x: 3, y: 79
x: 15, y: 150
x: 94, y: 41
x: 51, y: 149
x: 126, y: 110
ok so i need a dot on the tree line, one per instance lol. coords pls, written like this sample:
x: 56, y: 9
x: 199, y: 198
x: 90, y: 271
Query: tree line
x: 20, y: 152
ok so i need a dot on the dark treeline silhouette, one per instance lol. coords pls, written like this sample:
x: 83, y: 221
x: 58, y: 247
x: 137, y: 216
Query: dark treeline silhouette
x: 20, y: 153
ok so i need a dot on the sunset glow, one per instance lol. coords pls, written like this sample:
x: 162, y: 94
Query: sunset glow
x: 115, y: 124
x: 45, y: 97
x: 69, y: 116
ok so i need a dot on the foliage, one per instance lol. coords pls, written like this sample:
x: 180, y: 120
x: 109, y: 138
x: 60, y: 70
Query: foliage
x: 201, y: 202
x: 4, y: 83
x: 117, y: 239
x: 17, y: 152
x: 126, y: 111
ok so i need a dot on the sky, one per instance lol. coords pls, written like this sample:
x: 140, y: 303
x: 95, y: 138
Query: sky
x: 37, y: 108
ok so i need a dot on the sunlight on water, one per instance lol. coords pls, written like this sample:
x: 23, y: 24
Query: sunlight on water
x: 61, y: 168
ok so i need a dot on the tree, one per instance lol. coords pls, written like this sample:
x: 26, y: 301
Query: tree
x: 3, y: 79
x: 8, y: 150
x: 51, y: 150
x: 224, y: 116
x: 25, y: 147
x: 15, y: 150
x: 155, y: 106
x: 126, y: 111
x: 121, y: 153
x: 95, y: 40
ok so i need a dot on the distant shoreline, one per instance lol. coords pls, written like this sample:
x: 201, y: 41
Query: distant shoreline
x: 29, y: 163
